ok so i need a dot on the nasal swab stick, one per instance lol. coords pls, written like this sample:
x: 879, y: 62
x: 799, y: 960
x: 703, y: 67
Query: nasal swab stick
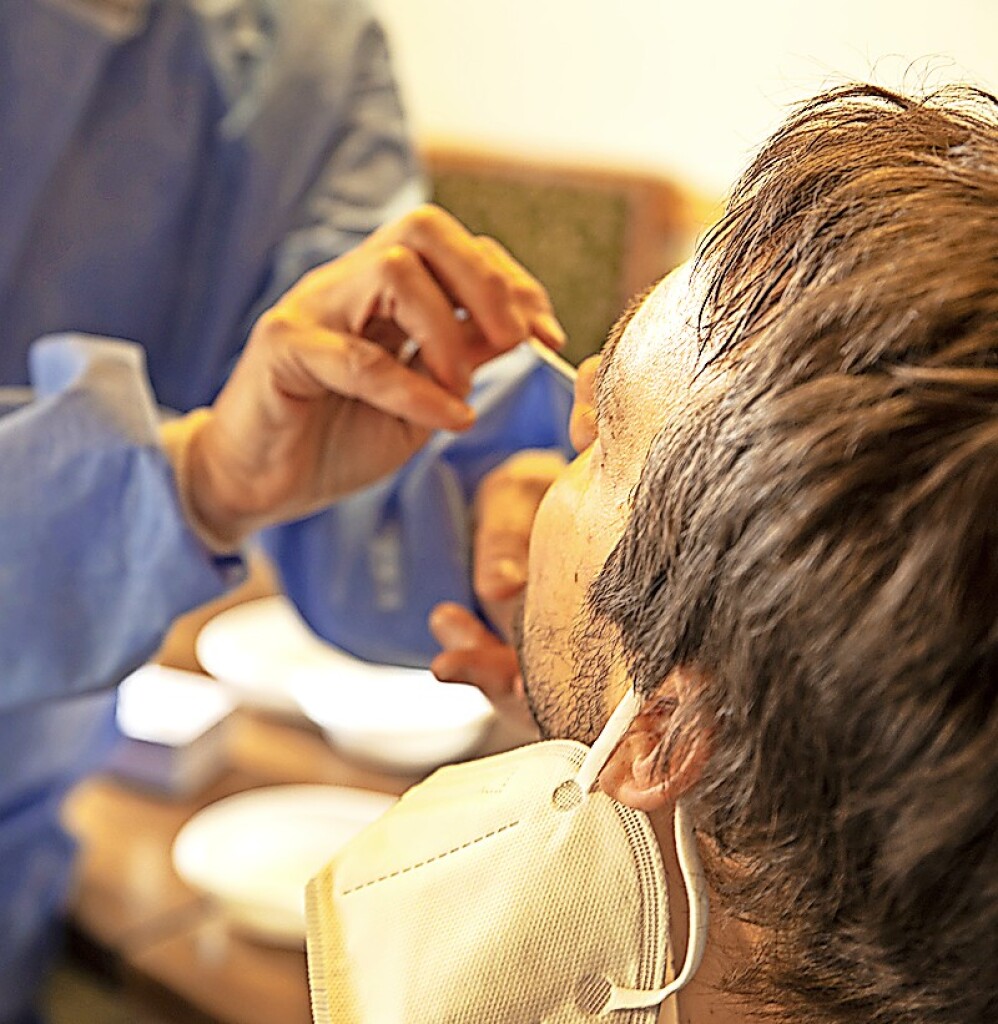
x: 560, y: 365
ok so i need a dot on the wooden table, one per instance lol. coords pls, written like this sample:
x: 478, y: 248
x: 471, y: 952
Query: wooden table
x: 171, y: 948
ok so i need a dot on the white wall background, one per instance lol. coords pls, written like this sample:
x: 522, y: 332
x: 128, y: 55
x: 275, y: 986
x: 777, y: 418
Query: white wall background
x: 686, y: 87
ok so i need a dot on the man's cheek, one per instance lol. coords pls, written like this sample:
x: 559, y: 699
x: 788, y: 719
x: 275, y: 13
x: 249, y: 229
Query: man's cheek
x: 552, y: 594
x: 574, y: 530
x: 549, y: 522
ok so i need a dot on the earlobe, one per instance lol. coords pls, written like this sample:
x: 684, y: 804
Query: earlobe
x: 654, y: 765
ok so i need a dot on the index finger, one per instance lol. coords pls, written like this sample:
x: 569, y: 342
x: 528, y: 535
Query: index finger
x: 503, y: 299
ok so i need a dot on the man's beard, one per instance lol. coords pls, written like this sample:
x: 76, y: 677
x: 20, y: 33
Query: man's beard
x: 571, y: 708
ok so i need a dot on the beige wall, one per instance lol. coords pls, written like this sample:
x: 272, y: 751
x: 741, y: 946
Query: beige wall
x: 686, y: 87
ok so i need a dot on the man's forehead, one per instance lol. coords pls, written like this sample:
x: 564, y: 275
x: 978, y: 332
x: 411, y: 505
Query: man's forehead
x: 651, y: 361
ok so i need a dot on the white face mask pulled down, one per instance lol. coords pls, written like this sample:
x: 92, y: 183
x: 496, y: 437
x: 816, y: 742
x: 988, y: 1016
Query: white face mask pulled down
x: 504, y: 891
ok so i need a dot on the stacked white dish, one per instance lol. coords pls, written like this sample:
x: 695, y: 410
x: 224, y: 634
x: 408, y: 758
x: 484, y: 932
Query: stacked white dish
x: 393, y: 718
x: 253, y: 854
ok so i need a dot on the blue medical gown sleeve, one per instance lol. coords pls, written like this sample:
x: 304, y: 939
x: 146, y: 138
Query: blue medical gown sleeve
x: 367, y: 573
x: 95, y: 556
x: 356, y: 167
x: 369, y: 177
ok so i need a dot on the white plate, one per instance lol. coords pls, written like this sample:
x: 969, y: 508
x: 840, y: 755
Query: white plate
x: 255, y: 646
x: 254, y: 853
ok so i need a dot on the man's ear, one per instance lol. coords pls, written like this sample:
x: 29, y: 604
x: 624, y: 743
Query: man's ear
x: 659, y: 759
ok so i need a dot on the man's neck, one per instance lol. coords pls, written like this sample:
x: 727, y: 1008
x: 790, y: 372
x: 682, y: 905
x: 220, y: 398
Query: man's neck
x: 729, y: 945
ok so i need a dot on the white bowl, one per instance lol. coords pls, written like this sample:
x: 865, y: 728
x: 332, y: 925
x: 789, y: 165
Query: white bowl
x: 398, y: 719
x: 253, y: 647
x: 254, y: 853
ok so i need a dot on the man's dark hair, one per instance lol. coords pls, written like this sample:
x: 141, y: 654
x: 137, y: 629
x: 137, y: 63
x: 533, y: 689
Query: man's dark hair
x: 820, y: 545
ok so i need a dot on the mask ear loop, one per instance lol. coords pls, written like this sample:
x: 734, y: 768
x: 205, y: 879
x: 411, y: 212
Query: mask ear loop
x: 607, y: 741
x: 698, y: 900
x: 690, y: 866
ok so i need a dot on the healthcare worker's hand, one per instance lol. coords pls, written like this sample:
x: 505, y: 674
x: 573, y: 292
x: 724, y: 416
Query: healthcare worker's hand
x: 505, y: 507
x: 473, y: 654
x: 320, y: 404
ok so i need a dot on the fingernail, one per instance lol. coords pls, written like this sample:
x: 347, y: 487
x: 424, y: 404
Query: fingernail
x: 547, y: 325
x: 509, y: 571
x: 465, y: 371
x: 448, y: 634
x: 460, y: 413
x: 451, y: 634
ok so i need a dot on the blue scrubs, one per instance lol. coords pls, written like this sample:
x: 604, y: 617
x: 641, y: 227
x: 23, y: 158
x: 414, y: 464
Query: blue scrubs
x: 167, y: 169
x: 95, y: 562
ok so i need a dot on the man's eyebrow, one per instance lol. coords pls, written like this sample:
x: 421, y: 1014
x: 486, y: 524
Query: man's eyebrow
x: 601, y: 392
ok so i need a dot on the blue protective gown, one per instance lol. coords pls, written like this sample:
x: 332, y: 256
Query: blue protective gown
x: 167, y: 169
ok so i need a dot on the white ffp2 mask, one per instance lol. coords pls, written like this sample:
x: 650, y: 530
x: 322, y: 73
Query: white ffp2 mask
x: 503, y: 891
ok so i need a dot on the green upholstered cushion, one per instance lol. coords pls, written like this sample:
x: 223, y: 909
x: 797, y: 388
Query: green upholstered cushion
x: 573, y: 239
